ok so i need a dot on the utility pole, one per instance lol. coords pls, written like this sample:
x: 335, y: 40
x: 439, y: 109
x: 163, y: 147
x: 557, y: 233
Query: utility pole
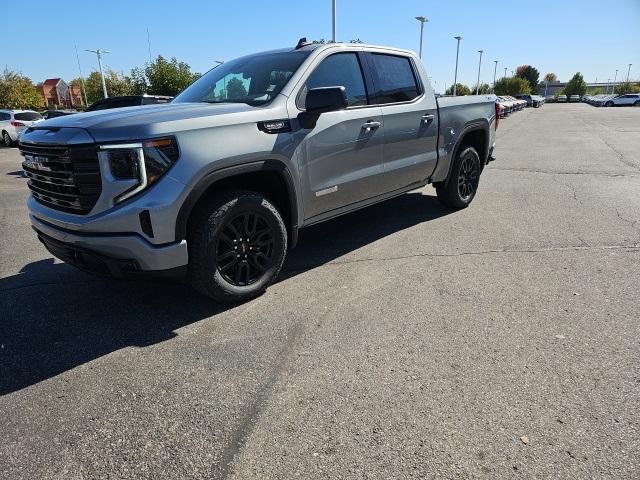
x: 455, y: 76
x: 149, y: 45
x: 84, y: 88
x: 334, y: 21
x: 628, y: 70
x: 422, y: 20
x: 479, y: 65
x: 99, y: 53
x: 495, y: 69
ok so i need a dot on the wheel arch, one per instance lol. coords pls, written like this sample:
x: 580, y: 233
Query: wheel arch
x: 475, y: 135
x: 264, y: 176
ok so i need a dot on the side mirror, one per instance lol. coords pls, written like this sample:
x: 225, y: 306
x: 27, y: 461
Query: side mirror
x: 322, y: 100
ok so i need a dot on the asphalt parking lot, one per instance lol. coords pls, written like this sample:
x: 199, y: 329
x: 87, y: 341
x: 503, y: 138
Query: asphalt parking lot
x: 403, y: 341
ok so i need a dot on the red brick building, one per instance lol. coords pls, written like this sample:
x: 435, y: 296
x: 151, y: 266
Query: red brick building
x: 56, y: 92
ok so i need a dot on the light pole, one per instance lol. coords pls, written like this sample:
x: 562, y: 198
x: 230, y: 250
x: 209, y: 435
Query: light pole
x: 505, y: 72
x: 99, y: 52
x: 615, y: 77
x: 422, y: 21
x: 608, y: 81
x: 334, y: 20
x: 495, y: 69
x: 84, y: 88
x: 455, y: 76
x: 628, y: 70
x: 546, y: 84
x: 479, y: 65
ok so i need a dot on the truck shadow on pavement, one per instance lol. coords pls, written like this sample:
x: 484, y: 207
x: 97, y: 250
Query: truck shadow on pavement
x: 54, y: 318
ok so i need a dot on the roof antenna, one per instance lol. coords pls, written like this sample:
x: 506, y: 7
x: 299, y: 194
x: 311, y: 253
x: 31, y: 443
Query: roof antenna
x: 302, y: 42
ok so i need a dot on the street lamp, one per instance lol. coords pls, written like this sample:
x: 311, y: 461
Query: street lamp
x: 505, y: 72
x: 495, y: 69
x: 422, y: 21
x: 615, y: 77
x: 479, y: 65
x: 99, y: 52
x: 455, y: 76
x: 628, y: 70
x: 333, y: 22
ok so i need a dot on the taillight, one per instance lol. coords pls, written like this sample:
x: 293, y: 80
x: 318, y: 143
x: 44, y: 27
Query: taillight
x: 498, y: 108
x: 17, y: 124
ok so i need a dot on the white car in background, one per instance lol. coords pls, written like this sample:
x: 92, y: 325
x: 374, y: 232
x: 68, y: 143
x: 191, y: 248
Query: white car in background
x: 13, y: 122
x: 621, y: 100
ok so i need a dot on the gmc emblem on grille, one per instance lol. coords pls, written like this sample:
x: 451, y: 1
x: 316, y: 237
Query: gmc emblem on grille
x: 35, y: 162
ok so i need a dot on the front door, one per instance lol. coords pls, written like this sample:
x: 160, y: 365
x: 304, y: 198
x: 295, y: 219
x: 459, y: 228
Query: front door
x: 341, y: 157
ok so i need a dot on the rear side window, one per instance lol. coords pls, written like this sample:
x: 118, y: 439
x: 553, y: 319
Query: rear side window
x: 5, y: 116
x: 28, y: 116
x: 394, y: 78
x: 339, y: 70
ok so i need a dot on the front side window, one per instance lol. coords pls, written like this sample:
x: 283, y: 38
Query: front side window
x: 339, y: 70
x: 254, y: 80
x: 395, y: 80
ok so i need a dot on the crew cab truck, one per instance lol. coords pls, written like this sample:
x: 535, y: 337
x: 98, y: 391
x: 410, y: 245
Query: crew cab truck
x: 215, y: 185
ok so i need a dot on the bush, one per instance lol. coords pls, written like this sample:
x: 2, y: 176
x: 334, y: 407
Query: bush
x: 512, y: 86
x: 627, y: 87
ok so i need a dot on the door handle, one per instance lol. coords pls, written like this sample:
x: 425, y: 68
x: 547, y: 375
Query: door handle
x: 370, y: 125
x: 428, y: 118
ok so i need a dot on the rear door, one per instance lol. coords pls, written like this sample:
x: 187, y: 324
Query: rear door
x: 341, y: 157
x: 410, y: 117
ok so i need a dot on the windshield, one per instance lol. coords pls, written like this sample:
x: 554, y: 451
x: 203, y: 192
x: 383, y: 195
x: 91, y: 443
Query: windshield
x: 255, y: 79
x: 28, y: 116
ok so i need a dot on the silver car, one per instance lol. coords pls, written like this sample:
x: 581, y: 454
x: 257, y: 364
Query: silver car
x: 13, y: 122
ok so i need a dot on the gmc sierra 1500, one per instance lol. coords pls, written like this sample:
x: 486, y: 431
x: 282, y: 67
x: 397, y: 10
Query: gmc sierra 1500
x: 216, y: 184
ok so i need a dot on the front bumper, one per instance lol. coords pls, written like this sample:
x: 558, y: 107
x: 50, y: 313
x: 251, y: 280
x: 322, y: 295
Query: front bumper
x: 113, y: 254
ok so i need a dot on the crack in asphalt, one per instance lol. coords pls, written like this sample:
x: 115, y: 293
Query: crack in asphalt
x: 555, y: 172
x: 632, y: 223
x: 574, y: 192
x: 585, y: 247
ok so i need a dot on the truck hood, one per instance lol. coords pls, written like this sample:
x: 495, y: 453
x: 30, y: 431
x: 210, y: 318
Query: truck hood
x: 145, y: 121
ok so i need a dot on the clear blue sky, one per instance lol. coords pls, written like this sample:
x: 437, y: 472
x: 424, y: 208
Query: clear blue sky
x: 561, y: 36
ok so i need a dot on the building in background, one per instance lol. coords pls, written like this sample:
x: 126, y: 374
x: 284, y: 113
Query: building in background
x: 58, y: 93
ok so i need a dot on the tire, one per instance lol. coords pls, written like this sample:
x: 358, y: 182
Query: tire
x: 608, y: 104
x: 225, y: 263
x: 6, y: 139
x: 459, y: 190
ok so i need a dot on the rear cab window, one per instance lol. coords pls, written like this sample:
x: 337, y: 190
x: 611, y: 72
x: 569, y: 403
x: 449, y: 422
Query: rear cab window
x: 394, y: 78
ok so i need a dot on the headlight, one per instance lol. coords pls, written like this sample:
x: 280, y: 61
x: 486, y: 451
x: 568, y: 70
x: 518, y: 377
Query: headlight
x: 140, y: 163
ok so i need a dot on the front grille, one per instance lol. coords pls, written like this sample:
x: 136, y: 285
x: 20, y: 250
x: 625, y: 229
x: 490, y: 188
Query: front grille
x: 63, y: 177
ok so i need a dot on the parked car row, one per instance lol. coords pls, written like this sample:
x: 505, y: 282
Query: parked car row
x: 13, y: 122
x: 534, y: 101
x: 603, y: 100
x: 509, y: 104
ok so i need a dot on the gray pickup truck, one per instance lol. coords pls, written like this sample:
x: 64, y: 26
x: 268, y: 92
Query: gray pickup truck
x: 215, y: 185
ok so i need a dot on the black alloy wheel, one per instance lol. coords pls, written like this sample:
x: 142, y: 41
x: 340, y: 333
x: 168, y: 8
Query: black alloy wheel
x: 468, y: 176
x: 245, y: 249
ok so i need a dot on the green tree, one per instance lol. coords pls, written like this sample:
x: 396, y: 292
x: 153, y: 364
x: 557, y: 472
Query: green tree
x: 576, y: 86
x: 627, y: 87
x: 460, y: 90
x: 512, y: 86
x: 235, y: 88
x: 139, y: 84
x: 484, y: 89
x: 530, y: 74
x: 18, y: 91
x: 165, y: 77
x: 117, y: 84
